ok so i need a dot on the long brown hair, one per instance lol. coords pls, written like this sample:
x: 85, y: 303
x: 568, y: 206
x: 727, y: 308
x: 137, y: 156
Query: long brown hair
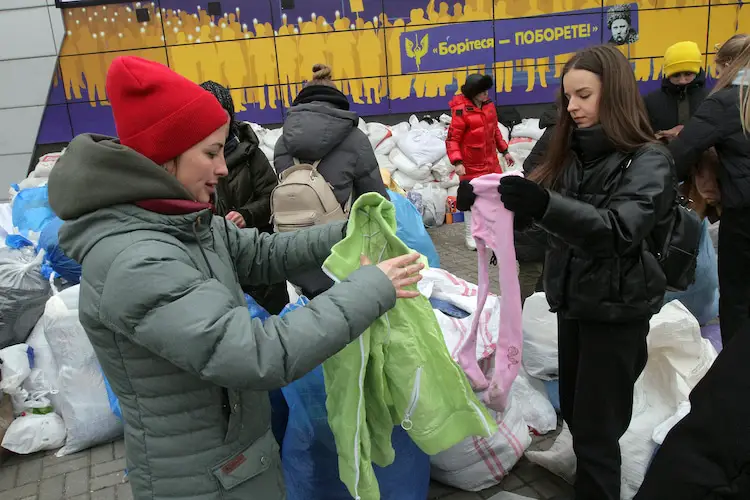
x: 622, y: 113
x: 736, y: 51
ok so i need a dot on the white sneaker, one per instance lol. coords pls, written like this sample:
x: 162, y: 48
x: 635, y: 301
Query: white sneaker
x: 468, y: 238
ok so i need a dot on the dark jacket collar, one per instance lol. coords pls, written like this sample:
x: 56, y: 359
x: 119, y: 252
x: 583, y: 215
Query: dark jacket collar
x: 671, y: 88
x: 591, y: 144
x: 322, y: 93
x: 240, y: 146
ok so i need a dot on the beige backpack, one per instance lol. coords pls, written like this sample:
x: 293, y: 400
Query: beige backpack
x: 304, y: 199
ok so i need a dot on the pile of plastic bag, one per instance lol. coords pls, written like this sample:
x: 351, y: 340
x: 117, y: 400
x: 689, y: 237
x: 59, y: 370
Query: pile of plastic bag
x: 678, y: 357
x: 523, y: 138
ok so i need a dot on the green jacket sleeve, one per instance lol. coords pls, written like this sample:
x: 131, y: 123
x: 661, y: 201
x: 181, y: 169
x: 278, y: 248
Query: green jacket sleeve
x: 264, y: 259
x: 154, y: 295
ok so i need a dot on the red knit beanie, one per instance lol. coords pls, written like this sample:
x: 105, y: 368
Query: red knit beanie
x: 157, y: 112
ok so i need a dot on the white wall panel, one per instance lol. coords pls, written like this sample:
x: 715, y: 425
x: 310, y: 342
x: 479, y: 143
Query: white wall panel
x: 26, y: 33
x: 18, y: 129
x: 13, y: 169
x: 26, y: 82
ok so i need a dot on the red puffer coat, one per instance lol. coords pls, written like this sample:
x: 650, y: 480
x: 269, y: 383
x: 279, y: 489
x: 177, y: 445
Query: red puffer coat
x: 474, y: 138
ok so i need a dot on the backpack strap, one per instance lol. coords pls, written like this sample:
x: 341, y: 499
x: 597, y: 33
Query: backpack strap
x: 314, y: 165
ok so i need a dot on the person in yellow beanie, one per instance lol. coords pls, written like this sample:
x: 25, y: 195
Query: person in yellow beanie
x: 683, y: 88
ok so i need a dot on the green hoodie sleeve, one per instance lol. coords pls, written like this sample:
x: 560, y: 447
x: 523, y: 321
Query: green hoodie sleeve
x: 156, y: 297
x: 264, y: 259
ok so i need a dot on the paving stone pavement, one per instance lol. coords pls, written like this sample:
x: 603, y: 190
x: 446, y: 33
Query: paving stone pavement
x: 98, y: 474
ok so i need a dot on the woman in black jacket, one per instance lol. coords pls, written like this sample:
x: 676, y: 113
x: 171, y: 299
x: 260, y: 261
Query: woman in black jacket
x: 722, y: 121
x: 603, y: 190
x: 244, y: 196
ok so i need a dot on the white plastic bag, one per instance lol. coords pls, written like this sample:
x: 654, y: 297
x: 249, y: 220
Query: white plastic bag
x: 23, y: 293
x: 433, y: 200
x: 408, y: 167
x: 442, y: 169
x: 377, y: 133
x: 504, y: 132
x: 15, y: 367
x: 6, y: 222
x: 661, y: 431
x: 452, y: 181
x: 520, y: 148
x: 538, y: 412
x: 32, y: 433
x: 362, y: 126
x: 478, y: 463
x: 422, y: 146
x: 45, y: 164
x: 385, y: 163
x: 399, y: 130
x: 678, y: 357
x: 404, y: 181
x: 44, y: 376
x: 539, y: 338
x: 271, y: 137
x: 84, y: 404
x: 529, y: 127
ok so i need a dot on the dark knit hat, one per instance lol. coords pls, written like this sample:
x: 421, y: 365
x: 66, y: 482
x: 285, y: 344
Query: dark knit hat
x: 157, y: 112
x: 475, y: 85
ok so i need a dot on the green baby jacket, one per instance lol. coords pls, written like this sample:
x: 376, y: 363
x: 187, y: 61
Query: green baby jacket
x: 398, y: 372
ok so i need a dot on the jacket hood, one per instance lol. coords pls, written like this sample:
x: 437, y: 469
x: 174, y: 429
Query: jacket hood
x: 549, y: 118
x: 98, y: 172
x: 240, y: 146
x: 313, y: 130
x: 699, y: 82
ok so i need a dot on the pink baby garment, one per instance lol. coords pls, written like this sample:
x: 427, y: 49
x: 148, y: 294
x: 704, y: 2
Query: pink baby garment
x: 492, y: 226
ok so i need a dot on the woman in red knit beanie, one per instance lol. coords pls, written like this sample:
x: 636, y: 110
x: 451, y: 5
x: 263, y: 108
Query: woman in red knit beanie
x: 161, y: 294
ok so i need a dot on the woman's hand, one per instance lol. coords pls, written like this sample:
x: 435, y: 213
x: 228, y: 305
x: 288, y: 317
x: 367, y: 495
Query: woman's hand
x: 509, y: 159
x: 460, y: 169
x: 523, y: 197
x: 402, y: 271
x: 238, y: 220
x: 465, y: 197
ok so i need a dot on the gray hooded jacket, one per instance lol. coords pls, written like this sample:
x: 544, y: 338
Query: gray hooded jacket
x: 162, y: 303
x: 321, y: 131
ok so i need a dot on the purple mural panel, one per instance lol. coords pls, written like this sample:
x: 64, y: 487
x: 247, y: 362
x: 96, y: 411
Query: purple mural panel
x: 446, y: 47
x: 87, y: 118
x: 263, y: 116
x: 55, y: 126
x: 539, y: 37
x: 56, y: 91
x: 350, y: 10
x: 521, y: 92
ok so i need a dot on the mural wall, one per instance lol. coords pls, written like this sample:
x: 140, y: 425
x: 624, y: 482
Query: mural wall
x: 388, y: 56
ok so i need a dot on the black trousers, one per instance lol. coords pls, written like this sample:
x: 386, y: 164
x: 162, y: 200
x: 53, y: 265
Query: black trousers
x: 599, y: 364
x: 734, y: 273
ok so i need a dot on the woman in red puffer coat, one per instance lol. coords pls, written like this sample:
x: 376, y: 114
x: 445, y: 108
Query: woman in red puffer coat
x: 474, y: 137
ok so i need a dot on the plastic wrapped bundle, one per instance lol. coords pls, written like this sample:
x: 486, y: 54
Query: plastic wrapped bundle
x: 23, y: 293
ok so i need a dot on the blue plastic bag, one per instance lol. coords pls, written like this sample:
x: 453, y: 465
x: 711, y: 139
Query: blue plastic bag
x: 702, y: 297
x: 311, y: 470
x: 31, y: 210
x: 114, y: 403
x: 54, y: 258
x: 279, y: 407
x: 410, y: 229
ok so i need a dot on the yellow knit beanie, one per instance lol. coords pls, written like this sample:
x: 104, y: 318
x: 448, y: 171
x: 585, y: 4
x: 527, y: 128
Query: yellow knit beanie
x: 682, y: 57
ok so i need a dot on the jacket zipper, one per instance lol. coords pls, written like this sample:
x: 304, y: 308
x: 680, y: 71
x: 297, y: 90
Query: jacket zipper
x: 406, y: 423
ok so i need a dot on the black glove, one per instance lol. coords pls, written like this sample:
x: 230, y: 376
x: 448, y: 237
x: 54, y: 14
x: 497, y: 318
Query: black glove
x: 466, y: 197
x: 523, y: 197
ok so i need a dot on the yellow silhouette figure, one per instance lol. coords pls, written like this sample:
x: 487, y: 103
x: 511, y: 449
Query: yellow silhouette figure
x: 417, y: 49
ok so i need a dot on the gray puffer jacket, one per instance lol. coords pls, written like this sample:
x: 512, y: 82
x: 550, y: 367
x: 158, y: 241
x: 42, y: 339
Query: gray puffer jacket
x: 321, y: 131
x: 162, y: 303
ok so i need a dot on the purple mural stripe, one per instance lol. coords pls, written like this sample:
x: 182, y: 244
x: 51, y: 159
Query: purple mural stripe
x: 263, y: 116
x: 87, y: 118
x: 55, y: 126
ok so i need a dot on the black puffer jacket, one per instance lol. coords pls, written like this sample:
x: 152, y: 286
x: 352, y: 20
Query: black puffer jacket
x: 247, y: 189
x: 532, y: 243
x: 663, y: 105
x: 717, y: 123
x: 600, y: 220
